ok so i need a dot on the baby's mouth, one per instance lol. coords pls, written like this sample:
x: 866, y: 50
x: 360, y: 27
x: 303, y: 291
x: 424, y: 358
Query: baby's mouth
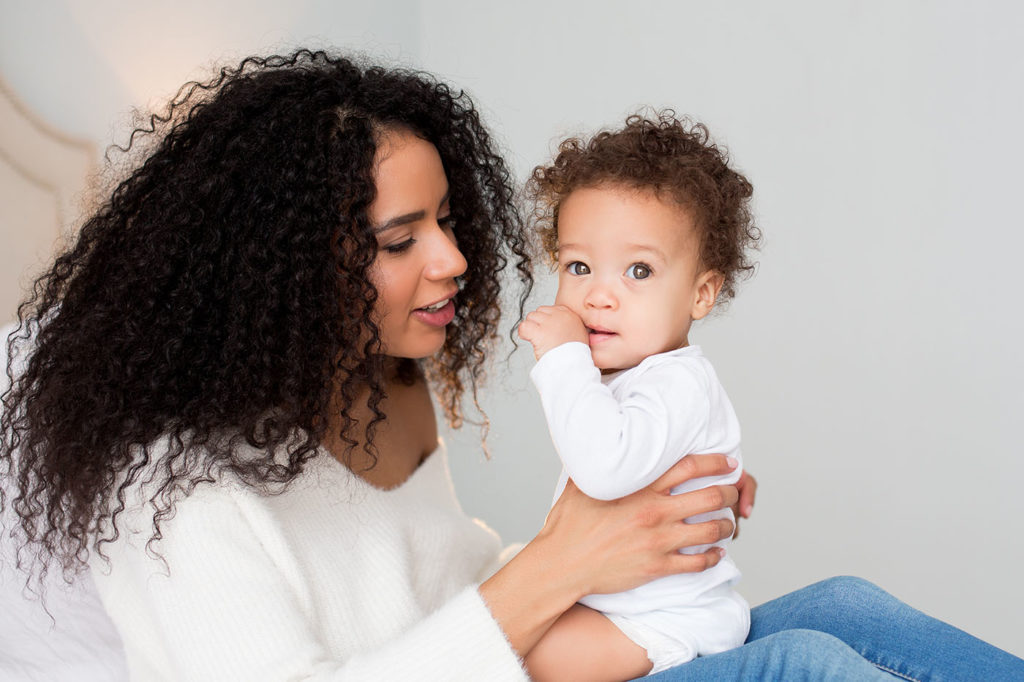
x: 597, y: 334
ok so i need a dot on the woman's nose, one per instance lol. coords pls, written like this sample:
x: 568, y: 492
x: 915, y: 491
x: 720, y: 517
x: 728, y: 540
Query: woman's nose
x: 446, y: 261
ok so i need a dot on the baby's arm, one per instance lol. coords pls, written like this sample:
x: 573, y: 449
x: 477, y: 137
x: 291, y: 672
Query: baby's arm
x: 611, y: 448
x: 584, y: 645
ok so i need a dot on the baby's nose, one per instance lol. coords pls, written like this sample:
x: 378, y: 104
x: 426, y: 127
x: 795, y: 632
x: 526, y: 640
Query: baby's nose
x: 600, y: 296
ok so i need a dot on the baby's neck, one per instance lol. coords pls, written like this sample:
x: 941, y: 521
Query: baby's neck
x: 612, y: 370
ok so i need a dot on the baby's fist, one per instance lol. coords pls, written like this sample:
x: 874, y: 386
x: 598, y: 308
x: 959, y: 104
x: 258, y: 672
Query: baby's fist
x: 550, y: 326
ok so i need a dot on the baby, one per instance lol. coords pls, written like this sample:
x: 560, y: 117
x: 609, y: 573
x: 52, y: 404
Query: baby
x: 649, y: 228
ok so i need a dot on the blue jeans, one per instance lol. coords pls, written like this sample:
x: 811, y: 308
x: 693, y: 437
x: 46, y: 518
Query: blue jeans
x: 848, y: 629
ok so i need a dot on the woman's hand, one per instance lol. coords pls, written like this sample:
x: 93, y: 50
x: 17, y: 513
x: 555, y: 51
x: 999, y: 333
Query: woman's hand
x: 635, y: 539
x: 589, y: 546
x: 747, y: 487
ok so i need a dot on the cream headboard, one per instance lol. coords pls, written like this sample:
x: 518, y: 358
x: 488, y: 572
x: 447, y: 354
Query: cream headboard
x: 43, y: 177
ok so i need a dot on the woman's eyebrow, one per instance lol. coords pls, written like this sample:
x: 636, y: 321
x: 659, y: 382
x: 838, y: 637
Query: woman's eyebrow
x: 400, y: 220
x: 407, y: 218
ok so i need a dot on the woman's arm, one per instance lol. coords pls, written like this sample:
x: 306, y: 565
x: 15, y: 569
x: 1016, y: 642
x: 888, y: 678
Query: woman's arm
x: 231, y: 603
x: 225, y: 599
x: 589, y: 546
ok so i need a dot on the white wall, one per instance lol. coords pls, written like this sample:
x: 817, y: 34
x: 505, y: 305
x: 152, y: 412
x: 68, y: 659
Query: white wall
x: 85, y: 64
x: 872, y: 360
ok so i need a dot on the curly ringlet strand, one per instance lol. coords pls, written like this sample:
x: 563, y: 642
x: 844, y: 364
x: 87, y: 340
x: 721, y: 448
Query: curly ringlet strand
x: 671, y: 156
x: 219, y: 297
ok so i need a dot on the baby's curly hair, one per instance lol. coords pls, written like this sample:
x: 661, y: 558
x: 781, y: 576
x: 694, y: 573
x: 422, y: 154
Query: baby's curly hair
x: 219, y: 297
x: 676, y: 159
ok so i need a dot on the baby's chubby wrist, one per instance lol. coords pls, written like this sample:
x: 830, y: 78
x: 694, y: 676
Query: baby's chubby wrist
x: 543, y: 350
x: 567, y: 353
x: 570, y: 361
x: 558, y: 353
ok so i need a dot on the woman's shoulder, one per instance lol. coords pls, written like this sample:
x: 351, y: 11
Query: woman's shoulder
x: 175, y: 473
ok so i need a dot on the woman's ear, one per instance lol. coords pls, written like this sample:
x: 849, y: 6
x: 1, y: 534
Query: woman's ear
x: 709, y: 283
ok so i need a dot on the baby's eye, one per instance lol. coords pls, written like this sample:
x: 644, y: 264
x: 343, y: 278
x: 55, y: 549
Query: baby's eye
x: 578, y: 268
x: 638, y: 271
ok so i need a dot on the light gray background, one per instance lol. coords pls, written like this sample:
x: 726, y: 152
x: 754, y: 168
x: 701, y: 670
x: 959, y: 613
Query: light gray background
x: 873, y: 360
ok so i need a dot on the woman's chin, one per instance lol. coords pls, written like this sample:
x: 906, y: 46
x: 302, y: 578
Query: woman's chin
x: 419, y: 349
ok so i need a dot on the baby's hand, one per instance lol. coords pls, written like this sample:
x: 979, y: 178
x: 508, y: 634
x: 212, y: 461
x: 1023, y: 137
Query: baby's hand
x: 552, y: 325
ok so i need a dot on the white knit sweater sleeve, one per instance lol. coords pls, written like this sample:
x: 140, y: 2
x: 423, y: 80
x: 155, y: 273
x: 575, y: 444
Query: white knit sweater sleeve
x: 220, y: 607
x: 613, y: 447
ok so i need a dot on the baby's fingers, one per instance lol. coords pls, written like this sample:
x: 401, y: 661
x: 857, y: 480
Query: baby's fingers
x: 531, y: 324
x: 526, y: 329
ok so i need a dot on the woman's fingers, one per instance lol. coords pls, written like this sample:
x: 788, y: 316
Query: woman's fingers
x: 693, y: 563
x: 694, y: 466
x: 623, y: 543
x: 747, y: 486
x: 704, y: 533
x: 703, y: 500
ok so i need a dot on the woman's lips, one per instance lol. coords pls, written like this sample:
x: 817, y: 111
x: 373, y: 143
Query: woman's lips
x: 436, y: 317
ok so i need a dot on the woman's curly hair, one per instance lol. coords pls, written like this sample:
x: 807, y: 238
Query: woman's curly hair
x: 219, y: 297
x: 672, y: 157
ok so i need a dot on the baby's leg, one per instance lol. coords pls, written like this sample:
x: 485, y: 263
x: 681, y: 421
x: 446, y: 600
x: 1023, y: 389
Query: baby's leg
x: 584, y: 645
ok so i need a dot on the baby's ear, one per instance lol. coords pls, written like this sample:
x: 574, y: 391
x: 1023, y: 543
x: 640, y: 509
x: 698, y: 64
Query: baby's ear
x: 709, y: 283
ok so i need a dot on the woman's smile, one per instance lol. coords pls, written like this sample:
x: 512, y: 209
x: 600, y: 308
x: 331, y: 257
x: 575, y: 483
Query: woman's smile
x: 437, y: 314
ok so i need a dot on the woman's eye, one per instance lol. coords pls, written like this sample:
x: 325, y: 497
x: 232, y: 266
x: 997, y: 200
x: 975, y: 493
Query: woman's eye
x: 399, y: 247
x: 447, y: 222
x: 638, y: 271
x: 578, y: 268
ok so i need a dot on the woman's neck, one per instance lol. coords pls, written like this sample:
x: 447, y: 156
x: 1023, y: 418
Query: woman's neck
x: 400, y: 441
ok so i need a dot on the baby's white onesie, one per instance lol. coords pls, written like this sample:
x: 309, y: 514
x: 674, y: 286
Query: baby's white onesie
x: 619, y: 433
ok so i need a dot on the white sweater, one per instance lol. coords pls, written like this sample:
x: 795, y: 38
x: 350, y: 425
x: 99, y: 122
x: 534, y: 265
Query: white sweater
x: 331, y: 580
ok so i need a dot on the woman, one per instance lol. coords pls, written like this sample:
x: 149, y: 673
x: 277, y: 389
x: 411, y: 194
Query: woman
x: 227, y: 408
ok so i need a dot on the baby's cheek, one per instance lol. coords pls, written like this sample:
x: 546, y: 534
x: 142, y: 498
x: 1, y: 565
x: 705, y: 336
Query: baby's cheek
x: 563, y: 298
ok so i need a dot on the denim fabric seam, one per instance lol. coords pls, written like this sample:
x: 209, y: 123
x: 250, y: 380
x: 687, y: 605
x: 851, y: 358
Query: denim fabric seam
x: 896, y: 674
